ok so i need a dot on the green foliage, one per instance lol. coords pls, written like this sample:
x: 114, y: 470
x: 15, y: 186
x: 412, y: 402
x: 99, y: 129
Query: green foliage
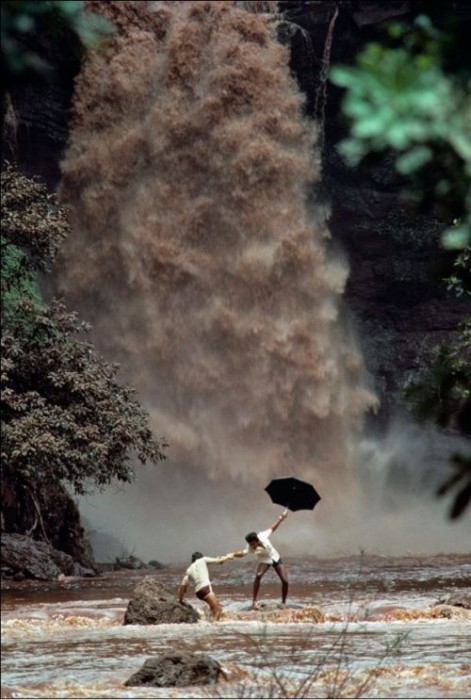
x: 64, y: 414
x: 33, y: 227
x: 23, y: 19
x: 444, y: 394
x: 413, y: 99
x: 459, y: 280
x: 403, y: 98
x: 31, y: 219
x: 460, y: 481
x: 17, y: 280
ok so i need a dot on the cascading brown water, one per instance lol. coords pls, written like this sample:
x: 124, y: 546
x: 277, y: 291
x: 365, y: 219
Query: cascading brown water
x: 195, y: 253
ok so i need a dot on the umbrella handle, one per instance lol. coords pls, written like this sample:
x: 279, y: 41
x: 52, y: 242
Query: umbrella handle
x: 293, y: 489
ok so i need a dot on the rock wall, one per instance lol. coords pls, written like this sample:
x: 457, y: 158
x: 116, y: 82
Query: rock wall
x: 55, y: 536
x: 399, y: 307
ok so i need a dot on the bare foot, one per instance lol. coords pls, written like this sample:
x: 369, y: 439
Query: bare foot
x: 255, y: 606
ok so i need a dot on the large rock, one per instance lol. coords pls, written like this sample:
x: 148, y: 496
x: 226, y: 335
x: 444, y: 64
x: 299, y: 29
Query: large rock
x: 153, y: 603
x: 130, y: 562
x: 458, y: 600
x: 451, y: 612
x: 60, y: 518
x: 28, y: 558
x: 178, y: 669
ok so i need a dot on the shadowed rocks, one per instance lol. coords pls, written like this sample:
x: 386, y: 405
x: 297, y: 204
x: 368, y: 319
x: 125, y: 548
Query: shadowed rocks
x: 153, y: 603
x: 23, y: 557
x: 177, y: 669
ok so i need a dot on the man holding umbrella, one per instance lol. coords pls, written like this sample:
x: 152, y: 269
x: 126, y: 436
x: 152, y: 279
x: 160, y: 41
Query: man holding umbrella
x: 258, y: 543
x: 294, y: 494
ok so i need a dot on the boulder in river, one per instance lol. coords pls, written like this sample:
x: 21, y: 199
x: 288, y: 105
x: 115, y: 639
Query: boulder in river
x: 155, y: 564
x: 153, y: 603
x: 458, y: 600
x: 27, y: 558
x: 177, y: 669
x: 130, y: 562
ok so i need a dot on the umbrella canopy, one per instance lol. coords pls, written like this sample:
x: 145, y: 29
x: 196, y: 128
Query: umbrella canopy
x: 293, y: 493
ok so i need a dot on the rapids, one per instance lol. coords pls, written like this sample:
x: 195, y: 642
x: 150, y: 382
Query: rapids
x: 382, y: 636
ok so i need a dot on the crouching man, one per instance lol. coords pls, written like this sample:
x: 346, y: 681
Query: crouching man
x: 199, y: 574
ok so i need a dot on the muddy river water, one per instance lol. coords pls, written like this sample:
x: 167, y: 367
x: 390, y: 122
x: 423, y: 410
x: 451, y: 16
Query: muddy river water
x: 382, y: 635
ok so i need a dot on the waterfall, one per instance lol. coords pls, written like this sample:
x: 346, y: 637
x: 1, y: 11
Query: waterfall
x: 205, y: 268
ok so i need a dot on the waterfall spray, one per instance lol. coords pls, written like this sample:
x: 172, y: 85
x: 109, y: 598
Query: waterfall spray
x: 200, y: 262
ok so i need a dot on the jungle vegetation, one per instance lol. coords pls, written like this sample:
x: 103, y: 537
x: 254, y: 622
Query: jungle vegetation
x: 65, y: 415
x: 410, y: 97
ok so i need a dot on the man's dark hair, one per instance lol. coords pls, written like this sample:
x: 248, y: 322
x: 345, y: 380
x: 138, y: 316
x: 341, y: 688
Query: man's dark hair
x: 195, y: 556
x: 251, y: 537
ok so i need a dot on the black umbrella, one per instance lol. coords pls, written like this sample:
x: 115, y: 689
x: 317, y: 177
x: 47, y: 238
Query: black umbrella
x: 293, y: 493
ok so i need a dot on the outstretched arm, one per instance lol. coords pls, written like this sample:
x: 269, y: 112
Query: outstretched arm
x: 221, y: 559
x: 279, y: 520
x: 239, y: 554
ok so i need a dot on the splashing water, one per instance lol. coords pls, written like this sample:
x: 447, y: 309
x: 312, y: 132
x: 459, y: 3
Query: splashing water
x: 380, y: 619
x: 201, y: 263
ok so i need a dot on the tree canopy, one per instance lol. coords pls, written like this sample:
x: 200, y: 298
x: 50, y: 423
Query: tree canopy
x: 410, y: 97
x: 64, y: 413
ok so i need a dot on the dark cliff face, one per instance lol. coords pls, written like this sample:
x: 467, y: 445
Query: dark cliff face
x: 36, y: 126
x: 398, y: 307
x: 41, y: 533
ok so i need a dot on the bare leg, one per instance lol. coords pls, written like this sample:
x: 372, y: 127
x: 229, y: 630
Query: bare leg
x: 281, y: 571
x: 261, y: 571
x: 214, y: 604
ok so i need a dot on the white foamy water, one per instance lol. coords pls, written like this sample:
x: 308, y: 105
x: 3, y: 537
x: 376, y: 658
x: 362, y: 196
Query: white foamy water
x: 381, y: 623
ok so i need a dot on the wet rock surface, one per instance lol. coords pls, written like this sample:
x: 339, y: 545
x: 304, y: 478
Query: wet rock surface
x: 23, y: 557
x: 459, y: 600
x: 153, y: 603
x: 177, y: 669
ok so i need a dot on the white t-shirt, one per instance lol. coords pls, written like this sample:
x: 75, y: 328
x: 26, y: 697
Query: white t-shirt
x: 198, y: 571
x: 266, y: 552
